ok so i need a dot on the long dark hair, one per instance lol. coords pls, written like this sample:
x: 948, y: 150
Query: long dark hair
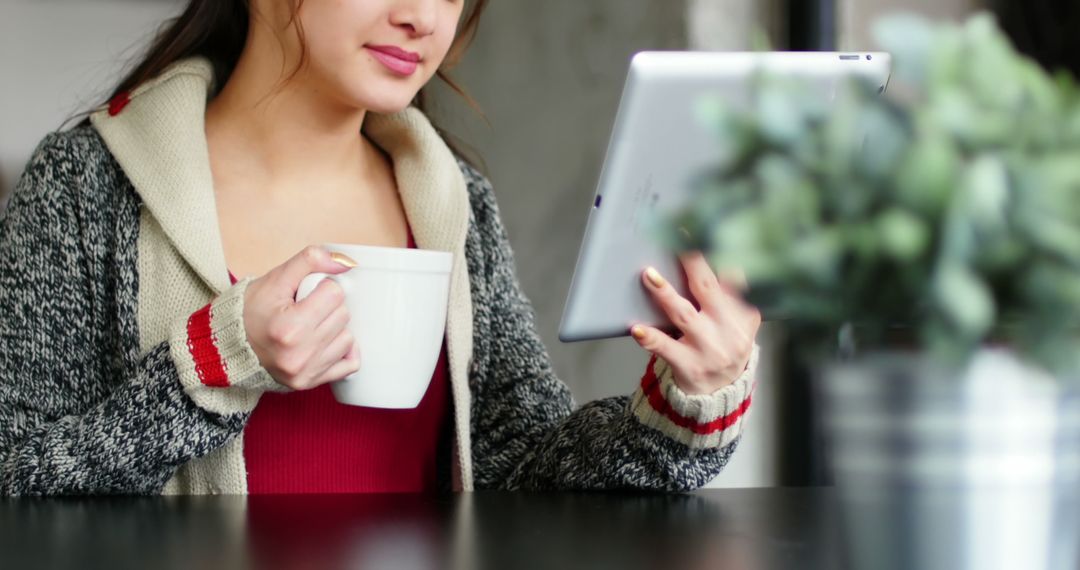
x: 218, y: 29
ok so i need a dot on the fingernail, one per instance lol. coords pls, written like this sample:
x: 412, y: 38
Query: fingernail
x: 637, y: 332
x: 655, y: 278
x: 343, y: 259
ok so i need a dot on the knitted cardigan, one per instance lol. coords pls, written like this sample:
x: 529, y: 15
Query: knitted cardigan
x: 125, y: 367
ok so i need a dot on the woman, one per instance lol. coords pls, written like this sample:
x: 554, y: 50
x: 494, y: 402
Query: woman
x: 149, y: 338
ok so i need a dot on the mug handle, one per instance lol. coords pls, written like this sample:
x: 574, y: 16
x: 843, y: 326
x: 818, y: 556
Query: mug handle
x: 309, y: 283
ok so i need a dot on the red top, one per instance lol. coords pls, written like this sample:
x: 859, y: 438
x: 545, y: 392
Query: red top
x: 307, y: 442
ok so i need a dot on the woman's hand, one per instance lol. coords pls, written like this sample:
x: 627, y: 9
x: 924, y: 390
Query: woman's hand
x: 301, y: 344
x: 717, y: 341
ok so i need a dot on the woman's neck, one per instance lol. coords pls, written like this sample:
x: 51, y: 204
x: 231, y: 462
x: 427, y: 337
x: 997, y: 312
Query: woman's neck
x: 283, y: 139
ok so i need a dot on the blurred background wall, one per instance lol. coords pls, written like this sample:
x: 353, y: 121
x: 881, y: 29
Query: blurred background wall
x: 58, y: 57
x: 548, y: 76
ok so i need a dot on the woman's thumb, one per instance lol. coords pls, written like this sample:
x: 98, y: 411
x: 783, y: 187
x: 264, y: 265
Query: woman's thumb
x: 313, y: 259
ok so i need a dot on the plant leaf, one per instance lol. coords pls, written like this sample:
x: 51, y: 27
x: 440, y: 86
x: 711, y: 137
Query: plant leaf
x: 964, y: 299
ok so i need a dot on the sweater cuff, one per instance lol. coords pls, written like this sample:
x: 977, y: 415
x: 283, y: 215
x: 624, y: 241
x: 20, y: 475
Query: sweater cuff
x: 700, y: 421
x: 217, y: 367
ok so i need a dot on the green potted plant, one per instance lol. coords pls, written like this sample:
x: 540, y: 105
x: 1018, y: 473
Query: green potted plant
x: 931, y: 237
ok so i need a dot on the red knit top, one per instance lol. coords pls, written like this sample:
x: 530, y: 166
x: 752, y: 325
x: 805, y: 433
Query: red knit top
x: 307, y: 442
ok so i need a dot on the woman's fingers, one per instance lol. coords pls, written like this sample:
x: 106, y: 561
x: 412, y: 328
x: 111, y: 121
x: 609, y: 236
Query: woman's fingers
x: 718, y: 339
x: 343, y: 365
x: 659, y: 343
x: 332, y: 326
x: 704, y: 286
x: 719, y: 295
x: 338, y: 341
x: 311, y: 259
x: 679, y: 310
x: 291, y: 338
x: 317, y: 306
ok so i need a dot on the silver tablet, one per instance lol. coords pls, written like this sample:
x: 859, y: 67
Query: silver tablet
x: 658, y: 145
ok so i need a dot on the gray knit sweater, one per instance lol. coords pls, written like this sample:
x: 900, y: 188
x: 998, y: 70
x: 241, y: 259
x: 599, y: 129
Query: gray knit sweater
x: 83, y: 412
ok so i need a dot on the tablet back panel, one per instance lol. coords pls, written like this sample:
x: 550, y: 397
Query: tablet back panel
x: 658, y: 145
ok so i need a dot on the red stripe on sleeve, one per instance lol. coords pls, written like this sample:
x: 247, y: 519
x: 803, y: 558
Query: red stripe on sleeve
x: 650, y: 386
x: 204, y: 352
x: 649, y: 382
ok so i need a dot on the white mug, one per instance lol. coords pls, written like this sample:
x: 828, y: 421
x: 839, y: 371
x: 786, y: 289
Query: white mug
x: 397, y: 300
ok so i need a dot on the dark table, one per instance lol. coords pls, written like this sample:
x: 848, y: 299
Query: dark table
x: 752, y: 529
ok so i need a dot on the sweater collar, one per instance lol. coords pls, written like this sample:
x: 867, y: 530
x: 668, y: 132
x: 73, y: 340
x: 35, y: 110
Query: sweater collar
x: 158, y: 137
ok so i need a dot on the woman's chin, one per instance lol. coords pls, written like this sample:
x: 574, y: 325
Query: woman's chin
x: 388, y: 108
x: 385, y: 102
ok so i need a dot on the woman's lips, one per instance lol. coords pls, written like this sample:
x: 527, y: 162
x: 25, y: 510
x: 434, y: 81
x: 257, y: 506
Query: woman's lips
x: 395, y: 59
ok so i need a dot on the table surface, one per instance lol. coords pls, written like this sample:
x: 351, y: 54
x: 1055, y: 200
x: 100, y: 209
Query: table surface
x: 743, y: 529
